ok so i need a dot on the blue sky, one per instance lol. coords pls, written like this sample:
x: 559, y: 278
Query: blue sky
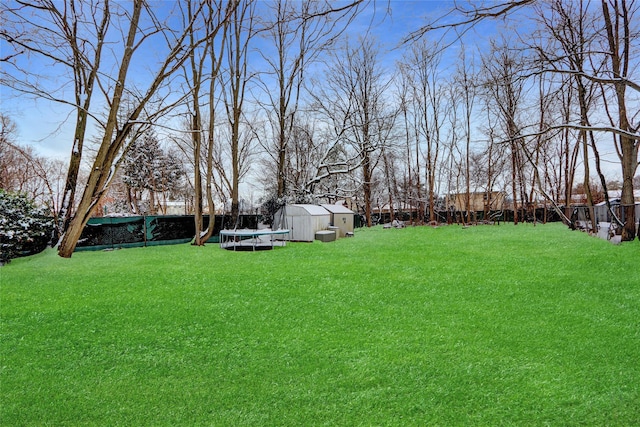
x: 48, y: 127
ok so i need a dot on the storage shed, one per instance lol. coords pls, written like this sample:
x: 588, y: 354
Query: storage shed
x: 302, y: 221
x: 341, y: 217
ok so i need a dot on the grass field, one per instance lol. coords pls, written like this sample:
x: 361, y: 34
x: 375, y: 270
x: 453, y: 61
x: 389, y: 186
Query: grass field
x: 490, y: 325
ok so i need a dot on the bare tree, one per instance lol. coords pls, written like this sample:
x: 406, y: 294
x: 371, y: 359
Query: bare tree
x: 466, y: 14
x: 574, y: 36
x: 194, y: 79
x: 204, y: 67
x: 8, y: 153
x: 293, y: 38
x: 568, y: 147
x: 592, y: 49
x: 422, y: 64
x: 411, y: 185
x: 305, y: 152
x: 70, y: 35
x: 409, y: 109
x: 234, y: 79
x: 620, y: 22
x: 467, y: 89
x: 119, y: 132
x: 131, y: 106
x: 503, y: 91
x: 354, y: 103
x: 299, y: 32
x: 23, y: 171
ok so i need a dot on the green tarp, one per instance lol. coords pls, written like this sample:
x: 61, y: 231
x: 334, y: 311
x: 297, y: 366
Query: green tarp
x: 137, y: 231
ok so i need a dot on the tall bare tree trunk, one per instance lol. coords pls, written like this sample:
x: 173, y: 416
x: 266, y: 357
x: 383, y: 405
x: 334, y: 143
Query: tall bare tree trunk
x: 514, y: 182
x: 196, y: 130
x: 98, y: 177
x: 240, y: 33
x: 619, y: 54
x: 389, y: 181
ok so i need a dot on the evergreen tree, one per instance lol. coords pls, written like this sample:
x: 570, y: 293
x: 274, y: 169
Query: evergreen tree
x: 25, y: 229
x: 147, y: 169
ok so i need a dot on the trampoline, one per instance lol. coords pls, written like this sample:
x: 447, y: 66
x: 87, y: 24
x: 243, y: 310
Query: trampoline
x: 252, y: 240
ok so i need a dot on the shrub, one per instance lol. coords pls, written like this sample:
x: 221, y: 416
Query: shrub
x: 25, y: 229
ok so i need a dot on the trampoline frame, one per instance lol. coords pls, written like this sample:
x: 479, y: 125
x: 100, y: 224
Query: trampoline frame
x: 245, y: 238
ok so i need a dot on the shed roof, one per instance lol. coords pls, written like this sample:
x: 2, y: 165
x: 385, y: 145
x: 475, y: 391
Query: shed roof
x: 337, y: 209
x: 313, y: 209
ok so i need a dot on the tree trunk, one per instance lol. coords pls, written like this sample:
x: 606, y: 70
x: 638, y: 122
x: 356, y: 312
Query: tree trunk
x: 619, y: 53
x: 514, y: 183
x: 629, y: 165
x: 102, y: 170
x: 366, y: 187
x: 387, y: 173
x: 235, y: 178
x: 197, y: 175
x: 69, y: 194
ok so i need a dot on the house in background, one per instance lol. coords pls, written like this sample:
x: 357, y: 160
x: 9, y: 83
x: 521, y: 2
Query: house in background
x: 494, y: 200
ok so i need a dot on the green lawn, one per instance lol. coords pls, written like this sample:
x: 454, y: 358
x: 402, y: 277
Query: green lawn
x: 490, y: 325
